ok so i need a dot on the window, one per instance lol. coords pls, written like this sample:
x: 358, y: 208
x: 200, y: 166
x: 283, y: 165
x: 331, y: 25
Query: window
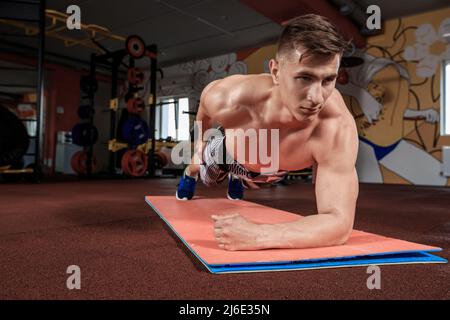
x: 445, y: 98
x: 170, y: 119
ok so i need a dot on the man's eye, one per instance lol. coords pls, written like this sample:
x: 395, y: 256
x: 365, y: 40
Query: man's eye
x: 328, y: 81
x: 304, y: 78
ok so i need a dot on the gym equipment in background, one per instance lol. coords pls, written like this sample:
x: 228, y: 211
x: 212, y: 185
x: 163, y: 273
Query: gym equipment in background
x: 135, y: 46
x: 130, y: 132
x: 14, y: 143
x: 135, y: 105
x: 88, y: 84
x: 134, y: 163
x: 84, y: 134
x: 35, y: 30
x: 135, y: 76
x: 135, y: 131
x: 79, y: 162
x: 160, y: 159
x: 85, y: 112
x: 14, y: 138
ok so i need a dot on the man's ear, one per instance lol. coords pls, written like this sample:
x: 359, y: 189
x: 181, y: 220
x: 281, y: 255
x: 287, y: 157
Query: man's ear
x: 274, y: 68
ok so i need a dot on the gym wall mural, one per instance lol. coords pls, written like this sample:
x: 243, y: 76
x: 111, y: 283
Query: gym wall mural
x: 395, y: 99
x: 394, y: 96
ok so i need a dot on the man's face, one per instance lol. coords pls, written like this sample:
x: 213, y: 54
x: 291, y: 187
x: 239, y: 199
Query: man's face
x: 305, y: 84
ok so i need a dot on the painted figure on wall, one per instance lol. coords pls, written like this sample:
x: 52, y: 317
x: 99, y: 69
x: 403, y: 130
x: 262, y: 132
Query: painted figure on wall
x: 391, y: 115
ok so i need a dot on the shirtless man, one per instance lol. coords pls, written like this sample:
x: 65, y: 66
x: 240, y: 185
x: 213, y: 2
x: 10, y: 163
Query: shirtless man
x: 315, y: 129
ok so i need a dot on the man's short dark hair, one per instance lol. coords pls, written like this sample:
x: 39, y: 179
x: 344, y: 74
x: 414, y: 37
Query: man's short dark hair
x: 314, y: 33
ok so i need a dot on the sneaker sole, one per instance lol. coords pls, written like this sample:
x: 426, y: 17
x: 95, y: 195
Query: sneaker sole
x: 181, y: 199
x: 233, y: 199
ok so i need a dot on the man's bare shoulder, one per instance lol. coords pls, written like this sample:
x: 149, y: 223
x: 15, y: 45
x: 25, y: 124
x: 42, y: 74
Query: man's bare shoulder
x: 238, y: 88
x: 336, y: 132
x: 227, y: 98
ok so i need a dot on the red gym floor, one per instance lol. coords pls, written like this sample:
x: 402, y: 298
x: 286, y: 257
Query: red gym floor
x: 126, y: 252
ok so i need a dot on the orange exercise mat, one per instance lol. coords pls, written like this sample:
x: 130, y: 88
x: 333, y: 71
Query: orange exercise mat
x: 191, y: 221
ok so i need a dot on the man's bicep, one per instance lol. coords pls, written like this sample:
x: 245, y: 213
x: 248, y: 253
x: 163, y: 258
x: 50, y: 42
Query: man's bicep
x: 336, y: 179
x: 336, y: 189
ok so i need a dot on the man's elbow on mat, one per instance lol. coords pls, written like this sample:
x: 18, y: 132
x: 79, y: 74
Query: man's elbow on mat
x: 337, y: 228
x: 343, y: 238
x: 344, y: 229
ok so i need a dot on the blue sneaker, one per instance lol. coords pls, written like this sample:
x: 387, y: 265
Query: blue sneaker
x: 186, y: 187
x: 235, y: 188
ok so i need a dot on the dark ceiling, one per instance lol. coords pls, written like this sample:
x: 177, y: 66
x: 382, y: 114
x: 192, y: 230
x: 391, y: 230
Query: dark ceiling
x: 191, y: 29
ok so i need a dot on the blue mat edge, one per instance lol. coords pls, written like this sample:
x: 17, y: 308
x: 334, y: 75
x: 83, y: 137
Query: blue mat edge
x: 400, y: 257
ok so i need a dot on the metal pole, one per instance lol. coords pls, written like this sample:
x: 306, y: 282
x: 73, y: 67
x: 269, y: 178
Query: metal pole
x: 90, y: 150
x: 112, y: 124
x: 152, y: 115
x: 40, y: 91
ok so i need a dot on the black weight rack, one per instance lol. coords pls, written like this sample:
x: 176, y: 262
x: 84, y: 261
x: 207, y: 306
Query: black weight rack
x: 114, y: 60
x: 30, y: 11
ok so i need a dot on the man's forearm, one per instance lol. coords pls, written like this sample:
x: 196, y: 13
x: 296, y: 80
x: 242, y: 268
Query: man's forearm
x: 318, y: 230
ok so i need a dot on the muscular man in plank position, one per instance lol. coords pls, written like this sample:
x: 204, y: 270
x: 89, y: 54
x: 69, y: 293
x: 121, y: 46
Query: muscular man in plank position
x: 299, y: 99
